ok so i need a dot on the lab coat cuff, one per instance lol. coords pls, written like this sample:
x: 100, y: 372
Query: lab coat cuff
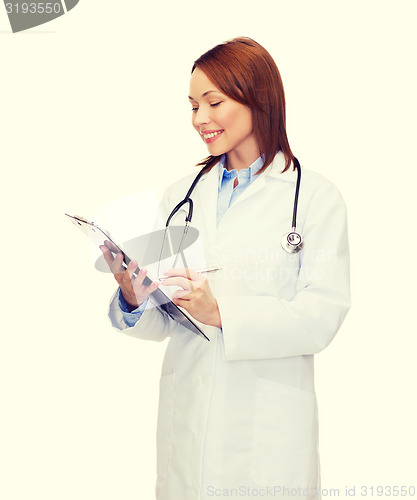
x: 130, y: 317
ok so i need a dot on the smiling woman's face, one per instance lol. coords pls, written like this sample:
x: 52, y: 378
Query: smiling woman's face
x: 224, y: 124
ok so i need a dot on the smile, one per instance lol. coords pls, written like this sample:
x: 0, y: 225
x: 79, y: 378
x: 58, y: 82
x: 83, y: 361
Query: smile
x: 211, y: 136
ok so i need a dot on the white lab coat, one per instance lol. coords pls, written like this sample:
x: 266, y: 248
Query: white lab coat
x: 239, y: 412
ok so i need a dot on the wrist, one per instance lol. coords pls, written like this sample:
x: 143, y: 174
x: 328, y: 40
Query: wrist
x: 217, y: 320
x: 131, y: 307
x: 125, y: 304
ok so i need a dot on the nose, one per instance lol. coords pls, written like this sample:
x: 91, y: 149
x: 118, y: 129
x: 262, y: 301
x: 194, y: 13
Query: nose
x: 201, y: 117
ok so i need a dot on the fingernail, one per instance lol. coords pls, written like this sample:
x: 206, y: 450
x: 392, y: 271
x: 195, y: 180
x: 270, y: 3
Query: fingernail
x: 142, y: 272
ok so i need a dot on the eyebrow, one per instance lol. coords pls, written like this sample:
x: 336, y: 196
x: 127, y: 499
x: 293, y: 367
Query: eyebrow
x: 205, y: 93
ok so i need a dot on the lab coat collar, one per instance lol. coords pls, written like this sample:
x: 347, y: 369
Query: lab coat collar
x: 207, y: 193
x: 275, y: 169
x: 252, y: 169
x: 208, y: 188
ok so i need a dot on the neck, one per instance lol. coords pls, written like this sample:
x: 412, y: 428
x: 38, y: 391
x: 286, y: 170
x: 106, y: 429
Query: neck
x: 238, y: 161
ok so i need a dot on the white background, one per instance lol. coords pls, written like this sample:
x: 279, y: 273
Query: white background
x: 93, y: 109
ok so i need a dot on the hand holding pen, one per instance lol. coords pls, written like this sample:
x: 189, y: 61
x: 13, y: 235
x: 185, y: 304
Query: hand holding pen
x: 201, y: 271
x: 195, y: 297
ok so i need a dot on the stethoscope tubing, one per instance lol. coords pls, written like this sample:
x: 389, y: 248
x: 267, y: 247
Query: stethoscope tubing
x: 297, y: 191
x: 288, y: 238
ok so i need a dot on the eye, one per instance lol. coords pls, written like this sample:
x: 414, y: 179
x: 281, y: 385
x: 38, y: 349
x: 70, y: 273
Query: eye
x: 194, y: 109
x: 215, y: 104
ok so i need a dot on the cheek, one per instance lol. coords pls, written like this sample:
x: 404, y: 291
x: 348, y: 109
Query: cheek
x: 227, y: 119
x: 245, y: 120
x: 237, y: 119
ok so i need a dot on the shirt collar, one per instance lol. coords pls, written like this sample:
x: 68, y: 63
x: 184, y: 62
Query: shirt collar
x: 223, y: 172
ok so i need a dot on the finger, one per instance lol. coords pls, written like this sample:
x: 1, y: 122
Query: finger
x: 184, y: 283
x: 182, y: 294
x: 131, y: 282
x: 185, y: 304
x: 145, y: 290
x: 108, y: 257
x: 131, y: 268
x: 127, y: 281
x: 184, y: 272
x: 142, y: 291
x: 117, y: 266
x: 111, y: 246
x: 138, y: 281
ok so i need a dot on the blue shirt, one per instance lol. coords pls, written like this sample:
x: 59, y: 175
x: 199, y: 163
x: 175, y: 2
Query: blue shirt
x: 226, y: 196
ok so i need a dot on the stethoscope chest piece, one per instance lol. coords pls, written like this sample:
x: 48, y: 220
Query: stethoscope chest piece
x: 292, y: 242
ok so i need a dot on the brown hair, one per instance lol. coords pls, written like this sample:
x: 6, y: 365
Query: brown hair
x: 244, y: 71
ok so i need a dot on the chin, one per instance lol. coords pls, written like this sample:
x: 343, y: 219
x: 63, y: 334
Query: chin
x: 215, y: 151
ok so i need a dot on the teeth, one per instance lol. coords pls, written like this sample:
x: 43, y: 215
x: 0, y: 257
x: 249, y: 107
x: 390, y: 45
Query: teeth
x: 213, y: 134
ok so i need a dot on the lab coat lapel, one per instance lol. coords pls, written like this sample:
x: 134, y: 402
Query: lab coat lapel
x: 207, y: 191
x: 256, y: 185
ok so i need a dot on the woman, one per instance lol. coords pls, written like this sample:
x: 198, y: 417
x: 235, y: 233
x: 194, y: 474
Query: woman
x: 238, y: 414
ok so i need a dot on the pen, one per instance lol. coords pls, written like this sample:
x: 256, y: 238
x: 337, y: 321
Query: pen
x: 202, y: 270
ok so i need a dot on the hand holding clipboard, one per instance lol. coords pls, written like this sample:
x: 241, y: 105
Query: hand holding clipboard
x: 125, y: 266
x: 135, y: 291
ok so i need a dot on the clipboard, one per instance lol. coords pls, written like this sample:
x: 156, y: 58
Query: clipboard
x: 161, y: 301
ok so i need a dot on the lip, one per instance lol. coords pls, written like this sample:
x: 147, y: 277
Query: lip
x: 210, y: 139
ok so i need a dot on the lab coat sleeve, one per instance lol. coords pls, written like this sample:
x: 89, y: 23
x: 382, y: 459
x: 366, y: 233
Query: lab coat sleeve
x: 152, y: 324
x: 264, y: 326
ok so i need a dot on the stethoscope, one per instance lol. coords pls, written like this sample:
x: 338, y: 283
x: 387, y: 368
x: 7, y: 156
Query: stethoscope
x: 291, y: 242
